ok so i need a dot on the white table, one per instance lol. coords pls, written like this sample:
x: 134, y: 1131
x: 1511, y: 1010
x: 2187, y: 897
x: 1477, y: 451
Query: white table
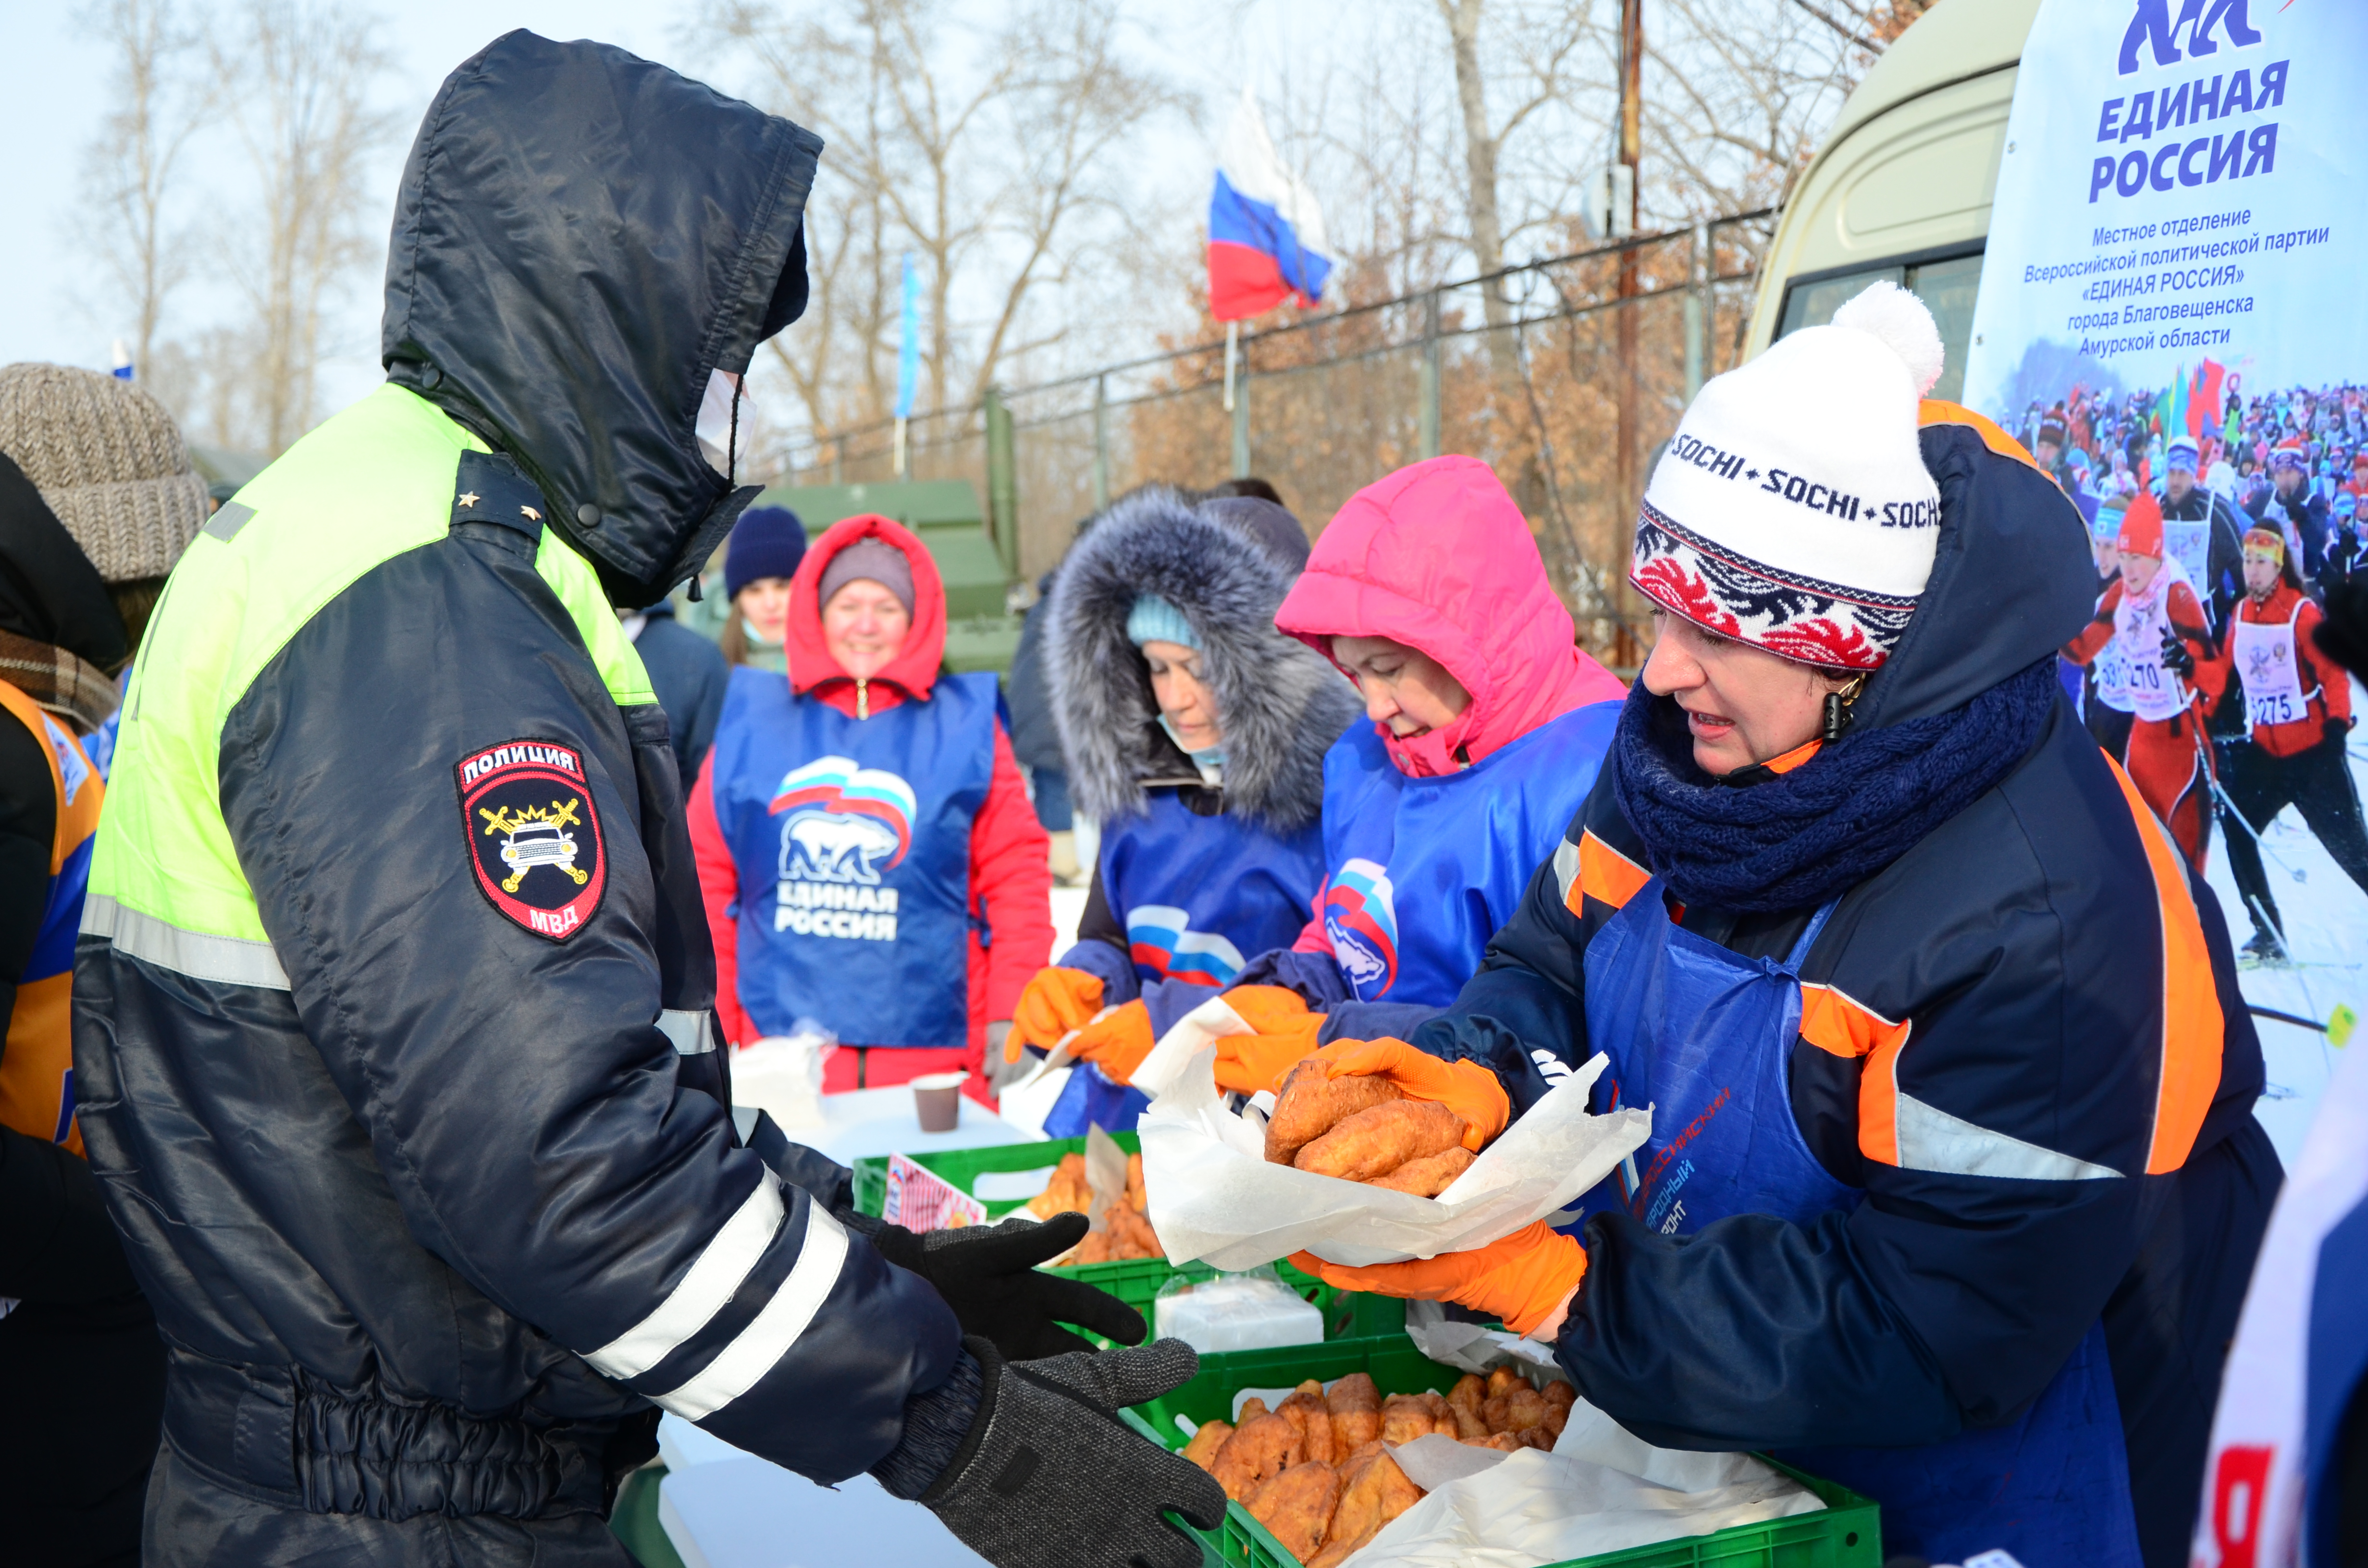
x: 882, y: 1121
x: 723, y: 1508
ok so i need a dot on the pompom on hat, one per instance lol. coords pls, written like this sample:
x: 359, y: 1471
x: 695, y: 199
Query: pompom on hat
x: 1792, y: 509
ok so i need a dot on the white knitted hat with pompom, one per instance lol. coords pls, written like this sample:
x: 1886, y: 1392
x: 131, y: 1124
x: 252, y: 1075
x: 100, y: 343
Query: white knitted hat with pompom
x: 1792, y: 509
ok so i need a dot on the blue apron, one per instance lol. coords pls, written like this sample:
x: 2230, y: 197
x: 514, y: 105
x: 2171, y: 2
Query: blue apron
x: 1455, y: 852
x: 852, y: 841
x: 1199, y: 897
x: 1703, y: 1035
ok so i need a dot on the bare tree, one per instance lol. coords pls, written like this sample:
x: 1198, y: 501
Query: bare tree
x: 988, y: 154
x: 158, y: 103
x: 302, y: 113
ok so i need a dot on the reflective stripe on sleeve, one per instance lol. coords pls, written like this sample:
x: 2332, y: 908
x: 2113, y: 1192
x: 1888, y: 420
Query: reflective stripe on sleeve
x: 1565, y: 865
x: 1932, y: 1139
x: 744, y: 1362
x: 200, y: 955
x: 689, y: 1031
x: 711, y: 1282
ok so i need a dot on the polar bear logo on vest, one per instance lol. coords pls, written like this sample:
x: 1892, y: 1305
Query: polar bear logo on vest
x: 842, y: 823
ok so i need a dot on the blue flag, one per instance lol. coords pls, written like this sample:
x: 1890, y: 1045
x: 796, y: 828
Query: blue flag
x: 908, y: 353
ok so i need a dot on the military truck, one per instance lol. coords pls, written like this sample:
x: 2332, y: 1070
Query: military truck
x: 976, y: 566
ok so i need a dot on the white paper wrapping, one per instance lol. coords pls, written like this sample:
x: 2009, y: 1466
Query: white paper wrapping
x: 1213, y: 1196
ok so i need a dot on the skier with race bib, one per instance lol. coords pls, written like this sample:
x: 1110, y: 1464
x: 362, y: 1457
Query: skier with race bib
x: 2155, y: 661
x: 2298, y: 711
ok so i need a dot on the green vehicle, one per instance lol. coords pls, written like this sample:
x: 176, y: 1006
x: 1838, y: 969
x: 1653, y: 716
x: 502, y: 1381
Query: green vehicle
x: 982, y: 633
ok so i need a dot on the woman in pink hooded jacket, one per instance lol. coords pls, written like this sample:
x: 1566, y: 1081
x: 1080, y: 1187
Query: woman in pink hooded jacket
x: 1489, y: 724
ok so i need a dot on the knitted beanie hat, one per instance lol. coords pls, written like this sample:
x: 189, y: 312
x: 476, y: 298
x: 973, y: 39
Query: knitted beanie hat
x: 1153, y: 619
x: 2141, y: 527
x: 105, y: 457
x: 767, y: 541
x: 871, y: 560
x: 1792, y: 509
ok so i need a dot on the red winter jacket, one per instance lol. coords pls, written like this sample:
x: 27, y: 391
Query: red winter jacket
x: 1010, y: 879
x: 2326, y: 690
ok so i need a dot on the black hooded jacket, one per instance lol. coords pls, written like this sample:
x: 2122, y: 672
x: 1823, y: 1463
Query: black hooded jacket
x: 2004, y: 978
x: 393, y: 1001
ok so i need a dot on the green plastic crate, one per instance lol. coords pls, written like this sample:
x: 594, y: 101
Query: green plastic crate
x: 1137, y: 1281
x: 1844, y: 1536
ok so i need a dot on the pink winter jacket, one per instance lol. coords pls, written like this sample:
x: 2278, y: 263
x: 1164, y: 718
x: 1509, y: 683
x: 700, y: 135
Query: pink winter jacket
x: 1437, y: 556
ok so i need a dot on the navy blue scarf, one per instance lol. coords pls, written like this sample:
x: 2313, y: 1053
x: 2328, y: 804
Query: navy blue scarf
x: 1802, y: 837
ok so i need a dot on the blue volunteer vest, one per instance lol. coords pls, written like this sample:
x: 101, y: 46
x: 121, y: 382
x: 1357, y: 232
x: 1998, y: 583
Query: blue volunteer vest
x: 1704, y: 1036
x: 1199, y: 897
x: 1453, y: 854
x: 851, y: 837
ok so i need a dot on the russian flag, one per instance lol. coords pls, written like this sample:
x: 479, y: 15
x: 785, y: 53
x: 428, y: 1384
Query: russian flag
x: 1266, y: 234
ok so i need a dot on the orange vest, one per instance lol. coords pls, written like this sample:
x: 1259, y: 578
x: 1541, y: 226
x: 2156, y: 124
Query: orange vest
x: 37, y: 1065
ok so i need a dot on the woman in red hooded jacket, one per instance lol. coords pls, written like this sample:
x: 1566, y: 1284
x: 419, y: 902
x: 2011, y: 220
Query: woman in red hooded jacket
x: 1486, y: 726
x: 861, y: 822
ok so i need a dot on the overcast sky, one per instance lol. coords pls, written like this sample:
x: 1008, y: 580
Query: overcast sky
x: 57, y: 97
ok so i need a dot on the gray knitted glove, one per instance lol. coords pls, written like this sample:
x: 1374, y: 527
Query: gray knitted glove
x: 1049, y: 1478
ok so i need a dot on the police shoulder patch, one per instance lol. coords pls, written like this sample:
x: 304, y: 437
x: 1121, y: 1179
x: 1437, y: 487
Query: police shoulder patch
x: 533, y: 835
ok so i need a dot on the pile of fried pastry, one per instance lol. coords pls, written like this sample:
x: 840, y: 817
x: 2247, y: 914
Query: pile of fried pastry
x: 1361, y: 1129
x: 1125, y: 1232
x: 1316, y: 1469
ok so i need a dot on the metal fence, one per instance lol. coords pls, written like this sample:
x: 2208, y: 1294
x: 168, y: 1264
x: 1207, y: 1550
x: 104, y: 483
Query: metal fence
x: 1532, y: 382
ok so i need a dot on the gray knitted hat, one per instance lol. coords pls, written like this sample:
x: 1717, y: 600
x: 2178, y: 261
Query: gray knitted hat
x: 105, y: 456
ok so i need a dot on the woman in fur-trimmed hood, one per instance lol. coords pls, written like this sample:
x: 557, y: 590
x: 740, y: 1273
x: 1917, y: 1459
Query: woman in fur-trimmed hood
x: 1195, y: 733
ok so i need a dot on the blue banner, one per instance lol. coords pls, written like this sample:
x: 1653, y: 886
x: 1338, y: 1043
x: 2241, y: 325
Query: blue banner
x: 908, y: 352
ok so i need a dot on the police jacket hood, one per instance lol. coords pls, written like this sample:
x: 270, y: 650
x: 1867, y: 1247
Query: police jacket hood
x: 583, y: 237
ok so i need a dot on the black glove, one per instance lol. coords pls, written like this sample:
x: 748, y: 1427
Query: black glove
x: 2339, y: 731
x: 1049, y: 1478
x: 2343, y: 635
x: 988, y: 1275
x: 2177, y: 656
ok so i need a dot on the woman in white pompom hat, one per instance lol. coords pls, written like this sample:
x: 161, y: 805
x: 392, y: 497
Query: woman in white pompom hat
x: 1953, y: 1182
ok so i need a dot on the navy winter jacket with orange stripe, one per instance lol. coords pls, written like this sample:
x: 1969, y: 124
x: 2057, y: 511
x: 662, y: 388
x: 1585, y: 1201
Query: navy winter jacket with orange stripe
x: 2022, y: 1040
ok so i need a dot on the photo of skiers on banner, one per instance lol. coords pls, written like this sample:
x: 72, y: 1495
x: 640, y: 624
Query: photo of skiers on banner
x: 2217, y: 518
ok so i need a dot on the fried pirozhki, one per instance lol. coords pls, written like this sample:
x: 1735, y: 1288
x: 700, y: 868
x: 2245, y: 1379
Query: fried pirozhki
x: 1131, y: 1234
x: 1134, y: 1199
x: 1535, y: 1438
x: 1377, y: 1493
x: 1203, y: 1450
x: 1518, y: 1411
x: 1067, y: 1190
x: 1311, y: 1104
x: 1504, y: 1379
x: 1356, y: 1406
x: 1503, y: 1442
x: 1405, y: 1417
x: 1442, y: 1414
x: 1261, y: 1447
x: 1297, y: 1506
x: 1557, y: 1417
x: 1377, y: 1142
x: 1470, y: 1392
x: 1305, y: 1409
x: 1429, y: 1177
x: 1252, y: 1407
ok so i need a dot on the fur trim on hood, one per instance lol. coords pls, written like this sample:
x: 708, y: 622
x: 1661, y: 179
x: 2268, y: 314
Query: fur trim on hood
x: 1280, y: 704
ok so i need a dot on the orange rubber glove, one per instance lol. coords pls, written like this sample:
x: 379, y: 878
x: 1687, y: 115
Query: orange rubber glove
x: 1468, y: 1089
x: 1285, y: 1033
x: 1117, y: 1041
x: 1056, y: 1001
x: 1522, y: 1278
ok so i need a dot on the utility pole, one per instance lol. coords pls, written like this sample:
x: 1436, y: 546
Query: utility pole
x: 1632, y: 139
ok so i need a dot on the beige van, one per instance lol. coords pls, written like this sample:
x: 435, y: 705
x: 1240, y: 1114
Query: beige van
x: 1901, y: 190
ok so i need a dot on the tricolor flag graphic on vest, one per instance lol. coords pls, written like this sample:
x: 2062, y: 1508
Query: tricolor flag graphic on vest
x: 845, y: 822
x: 1266, y: 234
x: 1362, y: 919
x: 1161, y: 938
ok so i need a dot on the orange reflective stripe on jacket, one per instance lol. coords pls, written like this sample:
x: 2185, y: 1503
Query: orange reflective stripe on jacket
x: 1605, y: 875
x: 2192, y: 1024
x: 39, y: 1057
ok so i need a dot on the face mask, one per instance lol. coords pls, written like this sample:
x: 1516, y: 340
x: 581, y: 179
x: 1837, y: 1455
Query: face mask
x: 715, y: 426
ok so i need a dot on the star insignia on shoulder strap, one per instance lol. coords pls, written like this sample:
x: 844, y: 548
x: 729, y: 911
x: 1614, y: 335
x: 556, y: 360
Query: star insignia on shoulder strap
x: 530, y: 515
x: 468, y: 499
